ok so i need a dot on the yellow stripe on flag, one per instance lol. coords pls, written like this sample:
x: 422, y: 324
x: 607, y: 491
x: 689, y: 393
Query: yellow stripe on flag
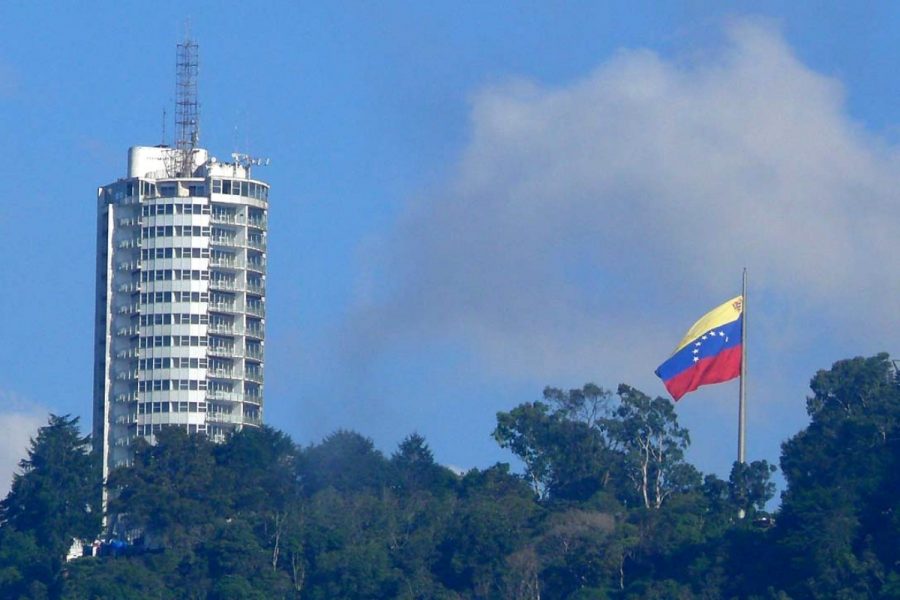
x: 720, y: 315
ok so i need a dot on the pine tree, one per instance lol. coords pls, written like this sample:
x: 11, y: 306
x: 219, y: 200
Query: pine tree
x: 54, y: 500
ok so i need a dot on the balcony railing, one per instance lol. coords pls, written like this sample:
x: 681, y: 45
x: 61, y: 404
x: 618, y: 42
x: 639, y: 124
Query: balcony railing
x: 257, y: 244
x: 224, y: 284
x: 221, y: 240
x: 223, y: 417
x: 228, y: 307
x: 226, y: 263
x: 224, y: 395
x: 226, y: 218
x: 130, y: 288
x: 257, y: 265
x: 258, y: 310
x: 128, y: 331
x: 129, y: 309
x: 225, y: 351
x: 131, y: 265
x: 225, y: 373
x: 254, y: 375
x: 222, y: 328
x: 256, y: 289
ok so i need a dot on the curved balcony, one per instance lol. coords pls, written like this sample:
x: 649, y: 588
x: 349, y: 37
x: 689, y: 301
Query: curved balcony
x: 255, y: 375
x: 228, y: 242
x: 257, y: 332
x: 130, y: 288
x: 222, y: 417
x: 129, y: 265
x: 222, y: 329
x: 225, y: 263
x: 258, y: 310
x: 259, y: 290
x: 131, y: 331
x: 224, y: 307
x: 227, y: 285
x: 224, y: 374
x: 223, y: 396
x: 220, y: 218
x: 236, y: 419
x: 258, y: 265
x: 224, y: 351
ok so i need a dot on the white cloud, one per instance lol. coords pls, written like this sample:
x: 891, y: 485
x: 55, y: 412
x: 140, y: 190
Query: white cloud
x: 19, y: 422
x: 586, y: 225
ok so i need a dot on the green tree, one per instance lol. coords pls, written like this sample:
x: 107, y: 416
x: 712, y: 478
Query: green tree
x: 836, y: 528
x: 493, y: 519
x: 238, y: 565
x: 562, y: 442
x: 258, y: 467
x: 647, y: 431
x: 345, y: 461
x: 418, y: 509
x: 415, y: 468
x: 54, y: 500
x: 174, y: 489
x: 750, y: 486
x: 580, y: 550
x: 114, y: 579
x: 347, y: 546
x: 25, y: 571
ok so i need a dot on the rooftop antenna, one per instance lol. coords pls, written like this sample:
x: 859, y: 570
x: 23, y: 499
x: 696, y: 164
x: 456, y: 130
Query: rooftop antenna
x: 247, y: 161
x: 163, y: 140
x: 187, y: 107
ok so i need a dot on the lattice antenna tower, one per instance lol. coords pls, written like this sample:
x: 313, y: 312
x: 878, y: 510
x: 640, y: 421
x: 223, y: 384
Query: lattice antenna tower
x: 187, y: 107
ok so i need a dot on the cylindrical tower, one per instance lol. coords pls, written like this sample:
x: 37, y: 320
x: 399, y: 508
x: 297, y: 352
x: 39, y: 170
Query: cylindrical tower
x: 181, y: 295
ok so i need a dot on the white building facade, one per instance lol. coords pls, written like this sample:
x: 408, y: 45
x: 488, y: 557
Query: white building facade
x: 181, y: 297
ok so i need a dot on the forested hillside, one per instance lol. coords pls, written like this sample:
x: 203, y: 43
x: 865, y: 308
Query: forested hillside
x: 605, y: 506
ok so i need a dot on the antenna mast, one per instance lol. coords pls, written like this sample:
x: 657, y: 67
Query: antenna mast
x: 187, y: 108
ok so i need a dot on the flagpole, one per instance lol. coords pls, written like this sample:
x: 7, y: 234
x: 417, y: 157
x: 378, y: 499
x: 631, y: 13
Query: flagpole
x: 742, y: 400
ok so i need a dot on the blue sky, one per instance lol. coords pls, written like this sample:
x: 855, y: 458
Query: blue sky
x: 472, y: 201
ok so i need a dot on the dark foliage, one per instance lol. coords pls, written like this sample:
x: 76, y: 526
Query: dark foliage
x: 54, y: 498
x: 607, y: 508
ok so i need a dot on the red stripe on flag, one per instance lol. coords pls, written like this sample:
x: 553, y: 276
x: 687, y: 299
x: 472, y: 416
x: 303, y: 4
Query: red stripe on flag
x: 713, y: 369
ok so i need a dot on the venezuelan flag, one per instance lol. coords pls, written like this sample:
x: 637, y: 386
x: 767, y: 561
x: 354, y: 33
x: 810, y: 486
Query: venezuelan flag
x: 710, y: 352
